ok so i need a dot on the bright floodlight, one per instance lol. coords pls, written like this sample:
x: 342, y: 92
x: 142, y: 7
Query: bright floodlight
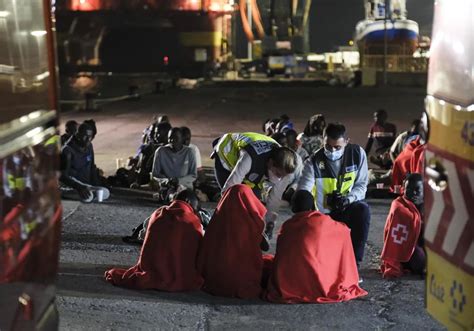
x: 38, y: 33
x: 4, y: 13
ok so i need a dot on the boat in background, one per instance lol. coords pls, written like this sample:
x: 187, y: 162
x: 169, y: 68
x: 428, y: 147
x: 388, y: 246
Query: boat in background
x: 401, y: 33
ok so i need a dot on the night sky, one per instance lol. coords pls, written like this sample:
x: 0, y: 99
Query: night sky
x: 332, y: 22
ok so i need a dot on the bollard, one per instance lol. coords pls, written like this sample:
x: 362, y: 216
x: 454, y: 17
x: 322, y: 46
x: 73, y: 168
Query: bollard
x: 133, y: 92
x: 90, y: 103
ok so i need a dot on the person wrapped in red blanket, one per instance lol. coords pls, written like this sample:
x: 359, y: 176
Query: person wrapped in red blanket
x: 168, y: 257
x: 230, y: 258
x: 314, y: 260
x: 403, y: 162
x: 403, y: 244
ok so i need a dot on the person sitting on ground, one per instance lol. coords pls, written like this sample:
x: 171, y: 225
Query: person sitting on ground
x: 383, y: 135
x: 255, y: 159
x: 411, y: 159
x: 93, y: 125
x: 167, y: 259
x: 139, y: 232
x: 174, y: 165
x: 269, y: 126
x: 311, y: 138
x: 230, y: 257
x: 417, y: 161
x: 397, y: 147
x: 294, y: 144
x: 100, y: 172
x: 149, y: 131
x: 70, y: 130
x: 187, y: 142
x: 284, y: 124
x: 404, y: 138
x: 144, y: 160
x: 403, y: 239
x: 79, y: 175
x: 314, y: 260
x: 337, y: 175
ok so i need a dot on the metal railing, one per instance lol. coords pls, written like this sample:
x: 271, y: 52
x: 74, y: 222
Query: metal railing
x: 395, y: 63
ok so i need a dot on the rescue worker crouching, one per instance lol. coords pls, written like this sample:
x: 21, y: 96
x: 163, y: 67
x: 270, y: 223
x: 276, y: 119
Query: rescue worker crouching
x: 337, y: 176
x: 254, y: 159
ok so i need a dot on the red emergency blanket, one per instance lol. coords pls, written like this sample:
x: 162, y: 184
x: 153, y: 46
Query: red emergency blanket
x: 417, y: 161
x: 230, y: 259
x: 402, y: 164
x: 168, y: 257
x: 401, y: 233
x: 314, y: 262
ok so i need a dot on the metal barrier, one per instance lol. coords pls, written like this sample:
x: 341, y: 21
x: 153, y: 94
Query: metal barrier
x: 395, y: 63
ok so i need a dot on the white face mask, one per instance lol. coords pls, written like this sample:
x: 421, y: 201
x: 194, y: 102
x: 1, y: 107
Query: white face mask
x: 333, y: 156
x: 272, y: 177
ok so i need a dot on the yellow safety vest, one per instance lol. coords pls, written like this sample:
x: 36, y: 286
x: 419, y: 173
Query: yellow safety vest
x: 326, y: 182
x: 229, y: 146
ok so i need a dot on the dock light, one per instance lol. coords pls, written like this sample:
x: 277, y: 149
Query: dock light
x: 4, y: 13
x: 351, y: 42
x: 228, y: 7
x: 38, y: 33
x: 215, y: 7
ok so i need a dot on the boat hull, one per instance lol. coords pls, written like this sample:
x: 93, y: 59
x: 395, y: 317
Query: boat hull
x: 401, y: 36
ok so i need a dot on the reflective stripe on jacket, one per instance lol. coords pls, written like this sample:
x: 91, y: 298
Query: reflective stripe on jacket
x: 326, y: 182
x: 229, y: 146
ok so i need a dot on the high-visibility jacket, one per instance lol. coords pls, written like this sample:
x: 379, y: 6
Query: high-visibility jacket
x: 257, y: 145
x: 326, y: 181
x: 229, y: 146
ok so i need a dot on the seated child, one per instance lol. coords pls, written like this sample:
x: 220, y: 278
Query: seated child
x: 175, y: 162
x: 403, y: 242
x: 311, y: 138
x: 314, y: 260
x: 167, y: 259
x: 230, y: 257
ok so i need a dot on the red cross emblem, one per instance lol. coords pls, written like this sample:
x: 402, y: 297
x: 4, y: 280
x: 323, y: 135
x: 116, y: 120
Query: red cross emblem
x: 399, y: 234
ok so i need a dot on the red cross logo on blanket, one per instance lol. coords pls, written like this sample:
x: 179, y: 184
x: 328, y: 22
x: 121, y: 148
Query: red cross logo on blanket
x: 399, y: 234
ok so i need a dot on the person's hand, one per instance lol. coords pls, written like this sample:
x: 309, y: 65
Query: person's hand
x: 269, y: 230
x: 337, y: 202
x: 84, y: 193
x: 270, y: 218
x: 288, y: 194
x: 132, y: 162
x: 265, y: 243
x: 340, y: 202
x: 173, y: 182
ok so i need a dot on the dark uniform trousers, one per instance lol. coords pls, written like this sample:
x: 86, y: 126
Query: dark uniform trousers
x: 357, y: 217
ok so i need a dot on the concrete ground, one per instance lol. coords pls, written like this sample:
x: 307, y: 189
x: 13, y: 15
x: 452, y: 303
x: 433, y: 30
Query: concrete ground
x: 92, y: 232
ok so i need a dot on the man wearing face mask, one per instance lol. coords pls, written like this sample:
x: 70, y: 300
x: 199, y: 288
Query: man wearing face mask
x: 337, y: 175
x: 251, y: 158
x: 79, y: 174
